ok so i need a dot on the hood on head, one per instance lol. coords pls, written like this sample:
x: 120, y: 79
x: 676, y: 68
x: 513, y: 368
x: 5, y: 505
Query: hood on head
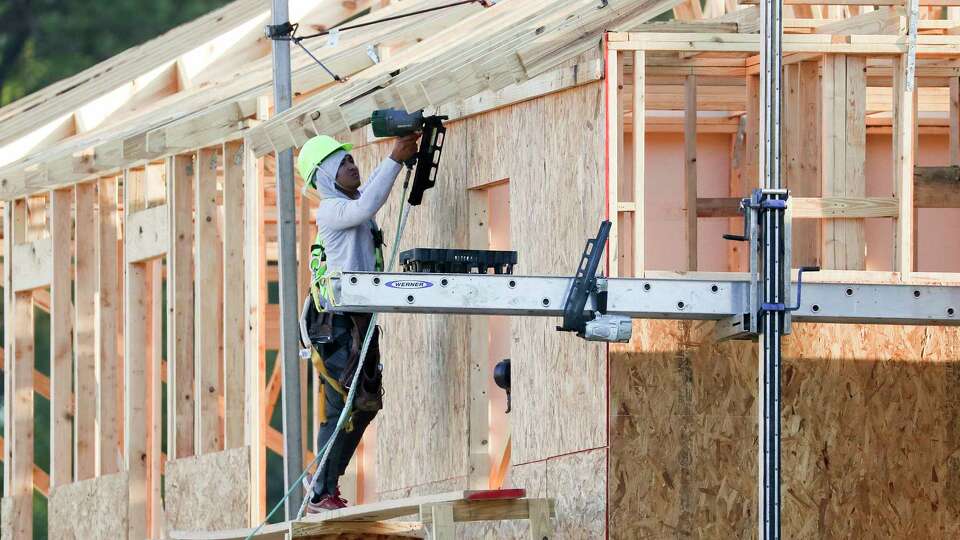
x: 325, y: 175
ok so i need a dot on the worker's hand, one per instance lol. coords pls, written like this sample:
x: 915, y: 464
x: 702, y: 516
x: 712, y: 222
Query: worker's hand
x: 405, y: 147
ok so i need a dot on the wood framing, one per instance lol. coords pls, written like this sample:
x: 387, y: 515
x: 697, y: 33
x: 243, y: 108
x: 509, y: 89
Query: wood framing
x: 843, y: 156
x: 61, y: 339
x: 108, y: 359
x: 208, y: 291
x: 639, y: 162
x: 180, y: 307
x: 234, y: 296
x: 614, y: 148
x: 690, y: 169
x: 85, y: 333
x: 658, y: 114
x: 154, y: 401
x: 254, y: 282
x: 147, y: 233
x: 32, y: 264
x: 21, y: 362
x: 904, y: 86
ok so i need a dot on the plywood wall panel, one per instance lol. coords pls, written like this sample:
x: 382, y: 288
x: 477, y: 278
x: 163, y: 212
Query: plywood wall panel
x: 208, y: 492
x: 94, y: 508
x: 555, y: 169
x: 867, y: 419
x: 422, y: 430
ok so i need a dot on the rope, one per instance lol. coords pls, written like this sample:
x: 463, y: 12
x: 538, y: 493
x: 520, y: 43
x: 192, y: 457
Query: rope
x: 324, y: 452
x: 348, y: 406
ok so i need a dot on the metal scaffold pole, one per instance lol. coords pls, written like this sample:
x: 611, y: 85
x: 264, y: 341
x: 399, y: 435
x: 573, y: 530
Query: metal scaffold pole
x: 287, y: 233
x: 772, y: 260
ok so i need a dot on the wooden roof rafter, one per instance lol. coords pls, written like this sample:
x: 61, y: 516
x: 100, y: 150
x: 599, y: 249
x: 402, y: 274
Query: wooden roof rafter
x: 102, y: 150
x: 502, y: 45
x: 233, y: 43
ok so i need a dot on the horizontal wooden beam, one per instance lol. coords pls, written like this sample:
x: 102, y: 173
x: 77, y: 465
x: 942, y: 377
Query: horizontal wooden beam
x: 792, y: 43
x: 929, y: 3
x: 32, y: 265
x: 809, y: 207
x: 934, y: 187
x: 147, y: 234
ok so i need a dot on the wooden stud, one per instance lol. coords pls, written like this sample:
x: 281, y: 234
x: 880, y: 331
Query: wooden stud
x: 903, y: 161
x: 690, y: 169
x: 85, y: 371
x: 614, y: 147
x: 479, y: 433
x: 154, y: 396
x: 954, y: 138
x: 61, y: 340
x: 305, y: 239
x: 208, y: 292
x: 234, y: 299
x: 254, y: 282
x: 843, y: 122
x: 916, y: 158
x: 541, y: 527
x: 442, y: 526
x: 639, y: 161
x: 805, y: 178
x: 689, y: 10
x: 137, y: 355
x: 108, y: 360
x: 138, y: 352
x: 21, y: 434
x: 8, y: 241
x: 180, y: 308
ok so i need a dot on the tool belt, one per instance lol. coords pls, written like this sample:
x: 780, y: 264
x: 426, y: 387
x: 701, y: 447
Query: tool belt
x: 327, y: 338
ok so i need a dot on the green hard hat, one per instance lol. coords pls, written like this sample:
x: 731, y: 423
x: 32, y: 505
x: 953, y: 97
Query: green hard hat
x: 314, y: 151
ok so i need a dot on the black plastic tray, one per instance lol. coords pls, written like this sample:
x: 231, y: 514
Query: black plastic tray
x: 457, y: 261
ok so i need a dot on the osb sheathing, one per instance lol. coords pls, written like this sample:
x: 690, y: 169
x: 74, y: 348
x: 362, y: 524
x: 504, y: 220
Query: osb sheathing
x: 870, y: 433
x: 6, y: 514
x: 551, y: 150
x: 90, y: 509
x: 422, y: 429
x: 208, y: 492
x: 556, y: 201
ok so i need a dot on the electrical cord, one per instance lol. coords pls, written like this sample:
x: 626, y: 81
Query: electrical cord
x: 288, y: 31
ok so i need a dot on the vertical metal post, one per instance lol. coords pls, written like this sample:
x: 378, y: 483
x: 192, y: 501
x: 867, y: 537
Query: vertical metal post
x: 772, y: 252
x: 287, y: 233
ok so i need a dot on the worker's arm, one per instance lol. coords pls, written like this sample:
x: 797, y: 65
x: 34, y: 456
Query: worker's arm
x: 346, y: 213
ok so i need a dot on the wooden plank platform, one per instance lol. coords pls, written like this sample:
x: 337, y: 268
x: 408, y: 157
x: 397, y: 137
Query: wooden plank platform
x: 438, y: 511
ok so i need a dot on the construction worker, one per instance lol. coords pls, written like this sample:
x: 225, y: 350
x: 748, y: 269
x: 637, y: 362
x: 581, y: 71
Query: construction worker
x: 348, y: 239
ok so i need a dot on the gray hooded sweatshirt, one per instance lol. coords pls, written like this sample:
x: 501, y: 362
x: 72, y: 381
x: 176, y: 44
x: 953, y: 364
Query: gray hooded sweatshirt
x: 345, y: 223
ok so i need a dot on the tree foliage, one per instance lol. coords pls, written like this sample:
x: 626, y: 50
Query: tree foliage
x: 43, y: 41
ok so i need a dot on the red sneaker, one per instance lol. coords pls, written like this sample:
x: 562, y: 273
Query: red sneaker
x: 327, y: 502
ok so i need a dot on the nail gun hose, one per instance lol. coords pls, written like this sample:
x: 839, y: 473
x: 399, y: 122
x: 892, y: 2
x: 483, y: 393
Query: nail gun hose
x: 324, y: 452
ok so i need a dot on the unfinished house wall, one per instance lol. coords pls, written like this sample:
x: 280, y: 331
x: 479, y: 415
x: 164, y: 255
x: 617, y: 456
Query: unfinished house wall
x: 869, y: 412
x: 869, y: 424
x: 559, y: 401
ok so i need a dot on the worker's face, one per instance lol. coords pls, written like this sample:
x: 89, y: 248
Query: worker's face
x: 348, y: 175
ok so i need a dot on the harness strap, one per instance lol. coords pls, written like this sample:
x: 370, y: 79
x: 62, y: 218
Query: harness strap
x: 321, y: 369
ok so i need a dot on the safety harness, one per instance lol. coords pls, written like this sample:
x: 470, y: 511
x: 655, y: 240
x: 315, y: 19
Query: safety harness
x: 319, y: 292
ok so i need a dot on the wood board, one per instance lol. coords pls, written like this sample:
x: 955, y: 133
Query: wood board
x: 208, y: 492
x: 868, y: 417
x: 95, y: 508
